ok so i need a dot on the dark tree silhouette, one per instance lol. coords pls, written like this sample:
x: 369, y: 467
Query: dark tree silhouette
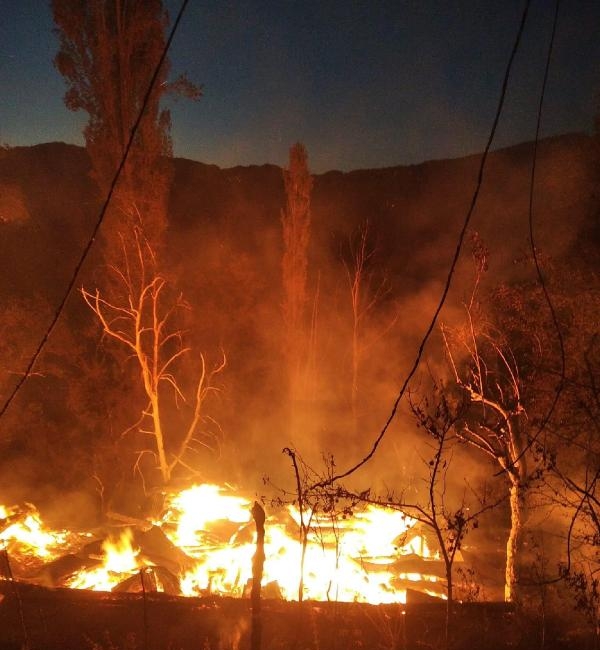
x: 108, y: 53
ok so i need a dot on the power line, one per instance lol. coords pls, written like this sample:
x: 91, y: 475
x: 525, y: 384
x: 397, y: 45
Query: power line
x: 100, y: 219
x: 534, y: 254
x: 453, y: 264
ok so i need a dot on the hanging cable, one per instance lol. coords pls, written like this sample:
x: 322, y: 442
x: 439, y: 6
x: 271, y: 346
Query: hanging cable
x: 453, y: 264
x: 535, y: 257
x: 100, y: 219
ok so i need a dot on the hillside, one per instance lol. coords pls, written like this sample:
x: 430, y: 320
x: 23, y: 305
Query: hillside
x: 224, y: 251
x: 48, y: 206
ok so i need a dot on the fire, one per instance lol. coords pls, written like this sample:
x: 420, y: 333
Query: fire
x: 335, y: 557
x: 193, y: 521
x: 22, y: 532
x: 358, y: 557
x: 119, y: 562
x: 193, y: 509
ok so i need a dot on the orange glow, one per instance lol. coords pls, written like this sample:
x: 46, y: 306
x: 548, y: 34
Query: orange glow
x: 28, y: 536
x: 336, y: 554
x: 120, y: 561
x: 351, y: 558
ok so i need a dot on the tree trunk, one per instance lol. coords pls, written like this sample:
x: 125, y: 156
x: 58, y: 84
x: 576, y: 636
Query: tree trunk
x: 163, y: 464
x: 355, y: 354
x: 449, y: 606
x: 513, y: 543
x: 257, y: 570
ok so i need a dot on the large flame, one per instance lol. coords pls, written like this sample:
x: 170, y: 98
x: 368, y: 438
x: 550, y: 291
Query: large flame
x: 337, y: 549
x: 120, y: 560
x: 350, y: 558
x: 22, y: 532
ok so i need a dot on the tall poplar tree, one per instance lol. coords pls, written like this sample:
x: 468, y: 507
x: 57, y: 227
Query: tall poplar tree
x: 295, y: 219
x: 109, y: 51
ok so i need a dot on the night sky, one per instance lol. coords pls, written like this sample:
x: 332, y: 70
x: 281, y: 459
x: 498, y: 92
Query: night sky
x: 361, y: 83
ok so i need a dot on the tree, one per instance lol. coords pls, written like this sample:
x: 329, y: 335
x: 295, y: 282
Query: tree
x: 437, y: 417
x: 366, y: 292
x: 51, y: 435
x: 563, y: 405
x: 447, y: 515
x: 142, y: 318
x: 18, y: 329
x: 108, y: 53
x: 495, y: 423
x: 486, y: 374
x: 305, y: 518
x: 581, y: 566
x: 533, y: 415
x: 296, y: 222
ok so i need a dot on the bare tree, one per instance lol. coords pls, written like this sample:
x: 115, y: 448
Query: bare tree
x: 573, y: 484
x: 495, y: 427
x: 305, y: 513
x: 486, y: 372
x: 366, y: 293
x: 449, y: 523
x: 449, y: 517
x: 141, y: 317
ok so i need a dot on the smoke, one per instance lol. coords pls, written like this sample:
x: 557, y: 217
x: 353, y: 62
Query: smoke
x: 232, y: 251
x: 224, y: 254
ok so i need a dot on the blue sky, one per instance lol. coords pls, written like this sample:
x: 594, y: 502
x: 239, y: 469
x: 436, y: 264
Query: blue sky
x: 361, y: 83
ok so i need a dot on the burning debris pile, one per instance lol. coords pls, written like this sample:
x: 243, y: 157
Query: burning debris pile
x: 203, y: 545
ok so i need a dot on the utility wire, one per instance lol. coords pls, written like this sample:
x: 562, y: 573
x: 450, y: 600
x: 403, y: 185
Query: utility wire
x: 453, y: 264
x: 534, y: 254
x: 100, y: 219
